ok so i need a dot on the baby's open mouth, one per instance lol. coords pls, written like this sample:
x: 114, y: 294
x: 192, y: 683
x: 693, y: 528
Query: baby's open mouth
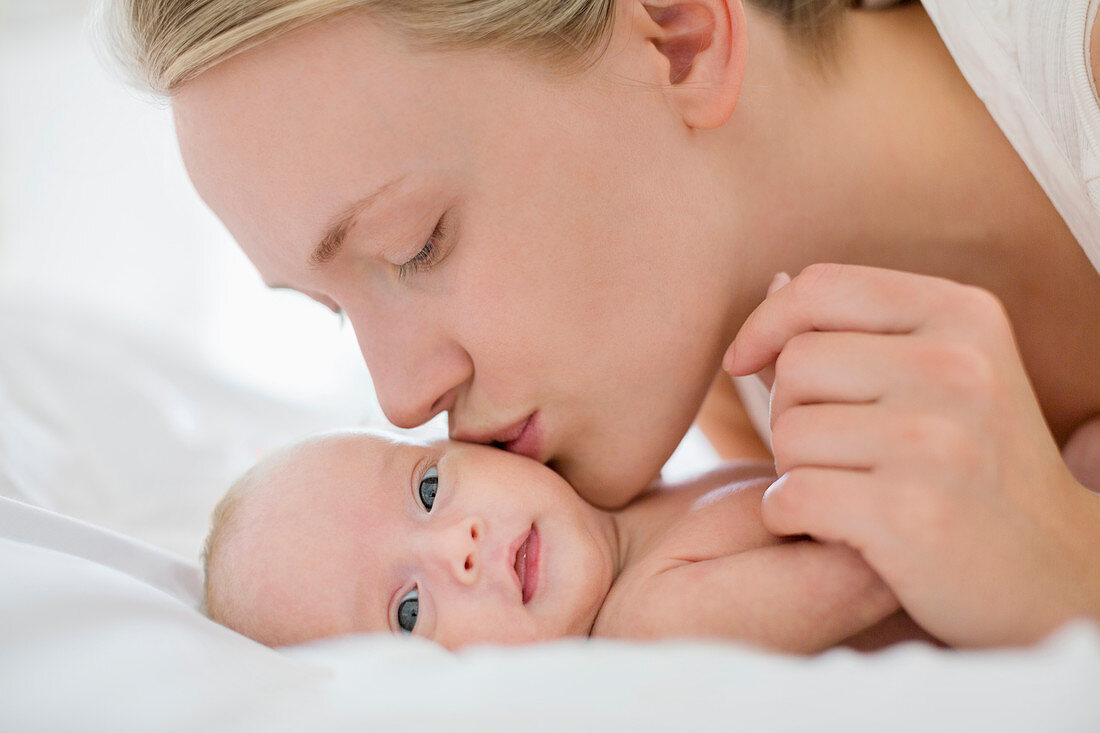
x: 527, y: 564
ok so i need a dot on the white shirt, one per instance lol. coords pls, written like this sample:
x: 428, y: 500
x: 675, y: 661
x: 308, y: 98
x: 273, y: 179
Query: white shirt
x: 1028, y: 61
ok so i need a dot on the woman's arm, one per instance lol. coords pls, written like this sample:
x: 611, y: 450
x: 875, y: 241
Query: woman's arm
x: 725, y: 422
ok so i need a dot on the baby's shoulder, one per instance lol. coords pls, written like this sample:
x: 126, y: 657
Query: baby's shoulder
x: 713, y: 515
x: 723, y: 516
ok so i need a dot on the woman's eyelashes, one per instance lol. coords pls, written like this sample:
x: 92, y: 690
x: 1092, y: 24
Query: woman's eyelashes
x: 426, y: 489
x: 408, y: 608
x: 428, y: 254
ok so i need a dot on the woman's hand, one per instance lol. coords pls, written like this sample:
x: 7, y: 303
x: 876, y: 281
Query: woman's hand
x: 904, y: 425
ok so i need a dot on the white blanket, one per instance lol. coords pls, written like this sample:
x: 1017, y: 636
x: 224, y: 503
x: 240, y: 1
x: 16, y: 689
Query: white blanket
x: 99, y: 632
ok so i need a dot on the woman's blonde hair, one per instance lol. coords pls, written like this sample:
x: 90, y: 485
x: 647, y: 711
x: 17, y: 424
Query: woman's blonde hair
x: 167, y: 42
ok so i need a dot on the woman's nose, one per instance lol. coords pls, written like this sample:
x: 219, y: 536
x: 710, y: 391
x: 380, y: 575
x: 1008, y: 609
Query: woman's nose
x: 416, y: 369
x: 460, y: 549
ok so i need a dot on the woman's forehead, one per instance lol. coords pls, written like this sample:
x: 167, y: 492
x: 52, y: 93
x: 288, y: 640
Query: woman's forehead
x: 281, y: 138
x: 335, y: 87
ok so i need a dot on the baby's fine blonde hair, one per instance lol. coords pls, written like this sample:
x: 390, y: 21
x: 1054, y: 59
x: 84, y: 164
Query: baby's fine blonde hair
x: 220, y: 519
x: 224, y: 522
x: 165, y: 43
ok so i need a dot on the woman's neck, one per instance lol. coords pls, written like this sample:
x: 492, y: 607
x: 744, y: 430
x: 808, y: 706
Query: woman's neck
x: 884, y: 157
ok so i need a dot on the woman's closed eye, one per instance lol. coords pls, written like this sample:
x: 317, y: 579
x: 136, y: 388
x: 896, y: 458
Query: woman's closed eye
x: 408, y: 608
x: 427, y: 487
x: 429, y: 254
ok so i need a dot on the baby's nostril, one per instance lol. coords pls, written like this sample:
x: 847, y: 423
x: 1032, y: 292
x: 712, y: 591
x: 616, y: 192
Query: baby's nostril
x: 469, y: 562
x: 473, y: 531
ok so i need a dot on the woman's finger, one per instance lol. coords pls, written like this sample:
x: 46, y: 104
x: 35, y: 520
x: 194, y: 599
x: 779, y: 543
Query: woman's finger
x: 893, y: 443
x: 833, y: 298
x: 767, y: 374
x: 845, y: 367
x: 829, y: 436
x: 828, y: 504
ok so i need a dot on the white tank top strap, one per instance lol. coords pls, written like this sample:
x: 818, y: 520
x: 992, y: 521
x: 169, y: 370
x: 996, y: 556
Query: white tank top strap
x: 1027, y: 60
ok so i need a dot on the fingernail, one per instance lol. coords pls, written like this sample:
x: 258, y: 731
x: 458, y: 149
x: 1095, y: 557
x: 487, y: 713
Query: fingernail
x: 777, y: 485
x: 727, y: 360
x: 780, y: 279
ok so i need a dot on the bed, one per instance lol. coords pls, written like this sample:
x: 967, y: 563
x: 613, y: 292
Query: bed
x: 113, y: 447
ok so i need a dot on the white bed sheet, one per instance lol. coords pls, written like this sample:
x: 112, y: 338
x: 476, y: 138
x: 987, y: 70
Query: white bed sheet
x: 116, y: 644
x: 99, y: 630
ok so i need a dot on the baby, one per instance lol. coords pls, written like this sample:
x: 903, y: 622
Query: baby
x: 464, y: 543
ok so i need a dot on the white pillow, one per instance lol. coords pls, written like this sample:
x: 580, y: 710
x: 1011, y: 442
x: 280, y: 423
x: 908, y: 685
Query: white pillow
x: 112, y: 425
x: 86, y: 647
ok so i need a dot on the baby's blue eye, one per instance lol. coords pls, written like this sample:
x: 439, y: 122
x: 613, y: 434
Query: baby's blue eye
x: 407, y: 610
x: 428, y: 484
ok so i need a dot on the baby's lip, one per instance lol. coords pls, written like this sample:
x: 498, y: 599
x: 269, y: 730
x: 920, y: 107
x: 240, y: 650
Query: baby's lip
x: 512, y: 557
x: 526, y: 564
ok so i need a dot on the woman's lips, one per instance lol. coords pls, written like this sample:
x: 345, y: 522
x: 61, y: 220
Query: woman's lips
x: 527, y: 565
x: 527, y: 440
x: 523, y: 437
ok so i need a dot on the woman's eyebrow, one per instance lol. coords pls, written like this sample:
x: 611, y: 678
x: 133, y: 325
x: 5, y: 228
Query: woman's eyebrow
x: 339, y: 226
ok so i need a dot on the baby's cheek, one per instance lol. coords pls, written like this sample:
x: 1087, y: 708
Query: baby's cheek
x: 487, y: 625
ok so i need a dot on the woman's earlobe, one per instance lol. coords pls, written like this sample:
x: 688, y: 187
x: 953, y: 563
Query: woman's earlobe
x: 704, y: 42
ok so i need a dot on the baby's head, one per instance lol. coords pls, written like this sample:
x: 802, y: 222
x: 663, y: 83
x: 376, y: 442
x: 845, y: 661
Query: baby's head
x: 360, y: 532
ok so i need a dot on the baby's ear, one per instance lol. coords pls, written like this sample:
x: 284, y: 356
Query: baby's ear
x: 704, y: 45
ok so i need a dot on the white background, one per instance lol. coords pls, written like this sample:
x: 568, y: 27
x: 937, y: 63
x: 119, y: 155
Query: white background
x: 96, y: 211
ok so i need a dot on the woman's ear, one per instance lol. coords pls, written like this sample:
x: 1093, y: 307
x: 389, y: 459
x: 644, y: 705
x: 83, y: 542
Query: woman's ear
x: 705, y: 45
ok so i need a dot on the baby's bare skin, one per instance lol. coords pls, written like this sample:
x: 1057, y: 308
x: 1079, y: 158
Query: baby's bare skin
x: 465, y: 544
x: 700, y: 562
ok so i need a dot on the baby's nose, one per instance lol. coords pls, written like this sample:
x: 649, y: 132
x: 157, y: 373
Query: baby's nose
x: 463, y: 550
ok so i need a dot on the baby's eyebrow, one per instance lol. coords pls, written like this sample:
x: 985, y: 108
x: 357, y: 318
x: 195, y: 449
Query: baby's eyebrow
x: 369, y: 597
x: 371, y: 603
x: 390, y: 455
